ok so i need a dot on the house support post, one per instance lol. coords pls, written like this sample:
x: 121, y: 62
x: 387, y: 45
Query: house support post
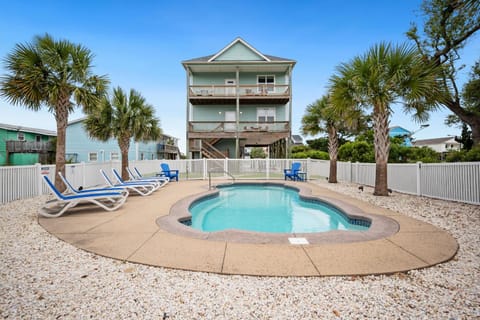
x: 237, y: 115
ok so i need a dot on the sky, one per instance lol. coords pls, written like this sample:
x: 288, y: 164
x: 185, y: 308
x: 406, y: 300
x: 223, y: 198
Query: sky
x: 140, y: 45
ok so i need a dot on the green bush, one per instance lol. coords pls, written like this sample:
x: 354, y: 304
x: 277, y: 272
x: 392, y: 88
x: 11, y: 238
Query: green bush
x: 464, y: 155
x: 312, y: 154
x: 360, y: 151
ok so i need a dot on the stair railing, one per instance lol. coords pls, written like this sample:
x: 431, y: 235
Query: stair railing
x: 218, y: 170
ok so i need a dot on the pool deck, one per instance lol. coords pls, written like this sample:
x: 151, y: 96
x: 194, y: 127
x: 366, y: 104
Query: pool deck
x: 132, y: 234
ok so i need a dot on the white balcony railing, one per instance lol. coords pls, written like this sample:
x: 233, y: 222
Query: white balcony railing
x: 244, y: 126
x: 244, y: 91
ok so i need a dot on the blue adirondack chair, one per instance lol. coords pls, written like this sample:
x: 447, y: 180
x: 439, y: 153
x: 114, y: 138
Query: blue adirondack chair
x: 166, y: 172
x: 292, y: 173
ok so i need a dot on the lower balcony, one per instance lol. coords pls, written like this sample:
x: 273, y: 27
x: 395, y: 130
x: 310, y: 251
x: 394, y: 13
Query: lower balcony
x: 204, y: 129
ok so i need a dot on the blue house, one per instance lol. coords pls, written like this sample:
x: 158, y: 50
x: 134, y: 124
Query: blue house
x: 238, y: 98
x: 79, y: 147
x: 397, y: 131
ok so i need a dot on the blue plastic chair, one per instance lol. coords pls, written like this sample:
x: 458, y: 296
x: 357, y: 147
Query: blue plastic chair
x: 166, y: 172
x: 292, y: 173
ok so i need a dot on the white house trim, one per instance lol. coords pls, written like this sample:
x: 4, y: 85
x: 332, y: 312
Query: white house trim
x: 244, y: 43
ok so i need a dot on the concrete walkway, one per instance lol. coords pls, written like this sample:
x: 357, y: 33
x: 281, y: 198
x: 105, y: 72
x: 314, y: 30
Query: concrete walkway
x: 131, y: 234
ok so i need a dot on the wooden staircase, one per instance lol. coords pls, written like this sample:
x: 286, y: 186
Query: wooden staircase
x: 209, y: 151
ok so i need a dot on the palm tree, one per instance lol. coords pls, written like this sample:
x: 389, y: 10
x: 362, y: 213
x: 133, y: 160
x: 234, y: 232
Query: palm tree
x: 56, y: 74
x: 320, y: 117
x: 123, y: 117
x: 384, y: 76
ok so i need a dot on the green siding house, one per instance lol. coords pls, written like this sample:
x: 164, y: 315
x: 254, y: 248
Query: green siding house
x: 25, y: 146
x: 238, y: 98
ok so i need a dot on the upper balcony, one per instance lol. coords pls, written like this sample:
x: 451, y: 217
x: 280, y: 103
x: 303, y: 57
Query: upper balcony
x: 15, y: 146
x: 248, y: 94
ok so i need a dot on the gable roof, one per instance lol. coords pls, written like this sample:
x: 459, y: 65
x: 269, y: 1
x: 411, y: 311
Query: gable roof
x: 28, y: 129
x: 435, y: 141
x: 235, y: 42
x: 238, y: 42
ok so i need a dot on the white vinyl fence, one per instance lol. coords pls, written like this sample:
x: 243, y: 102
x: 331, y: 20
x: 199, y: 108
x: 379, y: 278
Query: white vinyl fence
x: 449, y: 181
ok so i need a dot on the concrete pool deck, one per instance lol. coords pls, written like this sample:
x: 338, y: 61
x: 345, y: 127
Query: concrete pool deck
x: 132, y: 234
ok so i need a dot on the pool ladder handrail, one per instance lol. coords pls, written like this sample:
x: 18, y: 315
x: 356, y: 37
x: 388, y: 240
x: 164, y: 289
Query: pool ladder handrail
x: 218, y: 171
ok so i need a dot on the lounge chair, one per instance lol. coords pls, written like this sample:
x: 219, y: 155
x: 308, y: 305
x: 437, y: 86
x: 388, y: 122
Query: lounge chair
x: 142, y: 188
x: 292, y: 173
x: 108, y: 200
x: 79, y: 191
x: 135, y: 175
x: 166, y: 172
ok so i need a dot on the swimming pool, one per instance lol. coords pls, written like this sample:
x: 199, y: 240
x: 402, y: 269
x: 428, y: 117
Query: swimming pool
x: 269, y: 208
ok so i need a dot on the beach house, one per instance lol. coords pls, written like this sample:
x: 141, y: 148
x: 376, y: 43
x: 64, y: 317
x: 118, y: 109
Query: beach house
x: 237, y: 98
x: 25, y: 146
x: 79, y: 147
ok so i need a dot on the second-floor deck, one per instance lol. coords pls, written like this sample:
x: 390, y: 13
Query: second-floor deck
x: 15, y: 146
x: 226, y: 129
x: 248, y: 94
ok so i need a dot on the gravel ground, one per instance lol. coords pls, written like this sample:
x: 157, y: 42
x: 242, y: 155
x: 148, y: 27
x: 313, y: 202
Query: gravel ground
x: 42, y: 277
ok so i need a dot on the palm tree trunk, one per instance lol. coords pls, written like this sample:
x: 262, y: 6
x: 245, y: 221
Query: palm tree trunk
x: 61, y: 117
x: 333, y: 153
x: 382, y: 148
x: 124, y: 144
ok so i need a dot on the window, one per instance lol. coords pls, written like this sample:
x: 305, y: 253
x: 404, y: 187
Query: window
x: 266, y: 83
x: 20, y: 136
x: 92, y: 157
x: 114, y: 156
x: 38, y: 138
x: 266, y: 114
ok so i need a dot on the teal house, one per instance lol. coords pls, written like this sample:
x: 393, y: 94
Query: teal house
x: 397, y: 131
x: 238, y: 98
x: 79, y: 147
x: 26, y: 146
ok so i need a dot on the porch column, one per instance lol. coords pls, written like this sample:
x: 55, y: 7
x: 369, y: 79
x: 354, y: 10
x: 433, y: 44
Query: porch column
x: 288, y: 140
x: 237, y: 116
x: 188, y: 155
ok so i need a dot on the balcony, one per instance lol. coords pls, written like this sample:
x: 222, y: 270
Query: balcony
x: 248, y: 94
x: 246, y: 129
x: 166, y: 148
x: 14, y: 146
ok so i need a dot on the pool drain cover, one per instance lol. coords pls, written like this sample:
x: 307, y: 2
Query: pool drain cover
x: 298, y: 240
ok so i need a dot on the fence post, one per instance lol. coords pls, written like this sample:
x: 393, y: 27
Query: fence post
x: 419, y: 182
x: 38, y: 176
x: 204, y: 168
x: 225, y: 168
x: 267, y: 167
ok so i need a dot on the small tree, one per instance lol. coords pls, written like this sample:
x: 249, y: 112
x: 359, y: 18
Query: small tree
x: 56, y: 74
x: 375, y: 81
x: 123, y: 117
x: 320, y: 116
x: 258, y: 153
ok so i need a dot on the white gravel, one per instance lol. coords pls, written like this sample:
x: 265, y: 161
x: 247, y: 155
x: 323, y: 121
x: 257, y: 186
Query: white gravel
x: 42, y: 277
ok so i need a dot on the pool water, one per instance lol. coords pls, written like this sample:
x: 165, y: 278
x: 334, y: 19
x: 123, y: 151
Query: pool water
x: 266, y: 209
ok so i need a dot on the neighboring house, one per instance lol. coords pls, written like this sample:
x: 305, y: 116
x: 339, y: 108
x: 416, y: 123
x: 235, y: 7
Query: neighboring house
x: 238, y: 98
x: 79, y: 147
x: 397, y: 131
x: 297, y: 140
x: 440, y: 145
x: 25, y: 146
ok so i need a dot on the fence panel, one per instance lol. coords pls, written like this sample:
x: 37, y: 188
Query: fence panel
x: 403, y: 177
x: 319, y: 169
x: 451, y: 181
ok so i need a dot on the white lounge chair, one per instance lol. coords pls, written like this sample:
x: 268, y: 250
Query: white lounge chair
x: 108, y: 200
x: 79, y: 191
x: 135, y: 175
x: 142, y: 188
